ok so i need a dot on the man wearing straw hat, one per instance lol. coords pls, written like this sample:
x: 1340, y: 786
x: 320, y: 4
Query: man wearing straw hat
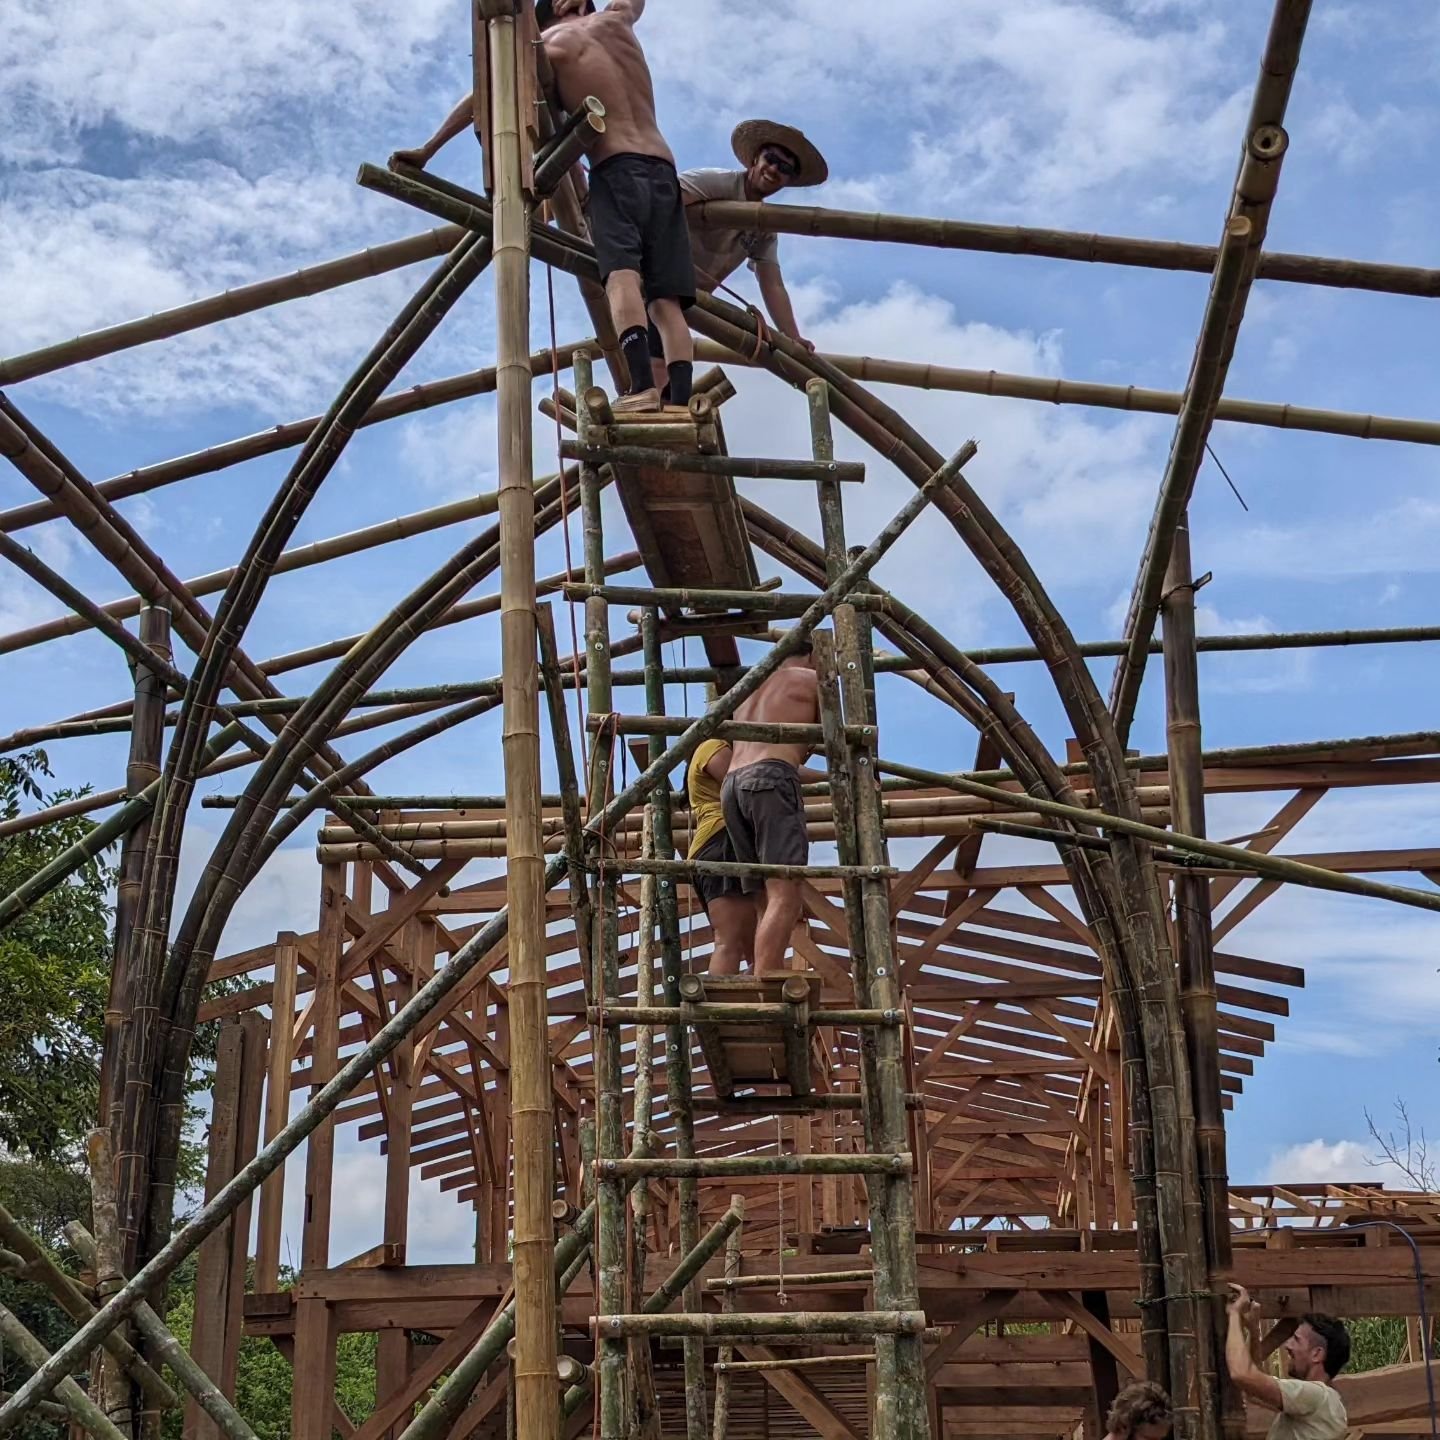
x: 635, y: 206
x: 776, y: 157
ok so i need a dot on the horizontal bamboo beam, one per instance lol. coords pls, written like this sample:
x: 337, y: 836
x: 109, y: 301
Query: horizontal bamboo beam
x: 793, y: 1362
x: 1273, y: 867
x: 795, y: 1281
x: 687, y: 462
x: 301, y: 557
x: 725, y: 1014
x: 742, y: 869
x: 740, y: 1326
x: 1056, y: 245
x: 314, y: 279
x: 727, y: 1167
x: 289, y: 435
x: 1053, y: 391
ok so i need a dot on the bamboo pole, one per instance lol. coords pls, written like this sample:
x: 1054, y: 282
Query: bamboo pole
x: 730, y: 1167
x: 1055, y: 244
x: 316, y: 552
x: 142, y: 770
x: 1195, y: 948
x: 207, y: 1394
x: 727, y: 1351
x: 687, y: 462
x: 1274, y: 867
x: 790, y: 1362
x: 820, y: 1278
x: 532, y: 1122
x: 164, y: 324
x: 83, y: 1410
x: 104, y: 1261
x: 286, y: 437
x: 713, y: 1325
x: 610, y: 1196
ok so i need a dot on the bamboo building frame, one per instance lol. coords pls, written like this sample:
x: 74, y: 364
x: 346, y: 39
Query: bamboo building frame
x: 999, y: 1186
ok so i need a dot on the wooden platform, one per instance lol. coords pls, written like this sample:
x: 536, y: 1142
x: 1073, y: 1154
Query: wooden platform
x: 688, y: 528
x: 749, y: 1053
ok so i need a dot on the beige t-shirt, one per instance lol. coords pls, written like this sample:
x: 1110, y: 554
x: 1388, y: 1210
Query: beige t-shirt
x: 1312, y: 1411
x: 719, y: 253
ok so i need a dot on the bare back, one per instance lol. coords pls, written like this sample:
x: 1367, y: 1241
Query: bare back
x: 599, y: 55
x: 790, y: 696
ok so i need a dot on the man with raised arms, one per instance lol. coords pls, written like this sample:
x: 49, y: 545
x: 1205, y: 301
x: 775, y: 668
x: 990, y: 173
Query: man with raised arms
x: 635, y: 209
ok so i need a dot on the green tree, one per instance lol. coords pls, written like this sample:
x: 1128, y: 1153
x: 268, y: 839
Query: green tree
x: 54, y: 974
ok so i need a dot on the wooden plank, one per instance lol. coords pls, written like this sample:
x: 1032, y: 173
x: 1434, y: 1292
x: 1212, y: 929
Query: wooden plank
x: 980, y: 1312
x: 802, y: 1396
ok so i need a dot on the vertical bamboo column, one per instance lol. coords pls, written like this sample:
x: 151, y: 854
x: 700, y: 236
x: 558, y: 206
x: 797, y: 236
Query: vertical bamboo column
x: 727, y: 1351
x: 147, y: 738
x: 610, y: 1139
x: 1196, y: 956
x: 900, y: 1404
x: 532, y: 1120
x: 677, y: 1037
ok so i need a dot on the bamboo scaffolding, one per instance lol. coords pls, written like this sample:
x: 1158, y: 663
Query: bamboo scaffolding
x: 727, y: 1352
x: 1055, y: 244
x: 696, y: 464
x: 357, y: 1066
x: 678, y: 1078
x: 712, y: 1325
x: 791, y: 1362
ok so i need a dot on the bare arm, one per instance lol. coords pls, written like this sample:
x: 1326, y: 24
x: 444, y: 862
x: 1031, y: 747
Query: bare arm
x: 456, y: 121
x: 1251, y: 1380
x: 777, y: 301
x: 718, y: 766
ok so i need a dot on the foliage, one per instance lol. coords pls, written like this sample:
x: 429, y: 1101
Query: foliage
x: 54, y: 975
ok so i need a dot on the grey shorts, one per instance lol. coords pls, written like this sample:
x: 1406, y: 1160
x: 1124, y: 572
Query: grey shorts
x: 765, y: 815
x: 713, y: 887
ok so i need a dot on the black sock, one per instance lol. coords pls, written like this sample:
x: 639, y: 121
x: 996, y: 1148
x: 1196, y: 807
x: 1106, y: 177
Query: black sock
x: 635, y: 344
x: 682, y: 374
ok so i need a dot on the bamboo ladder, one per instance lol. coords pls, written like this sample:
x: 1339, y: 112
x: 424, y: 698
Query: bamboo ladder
x: 737, y: 1035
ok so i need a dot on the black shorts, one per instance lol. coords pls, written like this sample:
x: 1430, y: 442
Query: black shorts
x: 765, y: 816
x: 637, y: 221
x: 713, y: 887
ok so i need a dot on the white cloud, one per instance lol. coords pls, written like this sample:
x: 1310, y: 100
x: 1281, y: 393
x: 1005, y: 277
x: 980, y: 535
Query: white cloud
x: 1326, y: 1160
x: 1045, y: 103
x: 191, y: 70
x: 1402, y: 537
x: 453, y: 451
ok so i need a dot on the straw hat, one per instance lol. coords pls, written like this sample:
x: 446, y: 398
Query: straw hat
x: 752, y: 135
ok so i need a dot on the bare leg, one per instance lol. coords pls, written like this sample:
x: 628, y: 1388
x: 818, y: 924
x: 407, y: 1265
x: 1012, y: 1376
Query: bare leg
x: 675, y: 334
x: 732, y: 917
x: 779, y: 916
x: 626, y: 294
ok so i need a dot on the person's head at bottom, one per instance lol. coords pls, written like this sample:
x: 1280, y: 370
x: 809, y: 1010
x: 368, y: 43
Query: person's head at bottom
x: 1318, y: 1350
x: 1141, y: 1412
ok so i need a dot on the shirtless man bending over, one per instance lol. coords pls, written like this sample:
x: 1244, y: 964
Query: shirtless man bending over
x: 764, y: 809
x: 636, y: 213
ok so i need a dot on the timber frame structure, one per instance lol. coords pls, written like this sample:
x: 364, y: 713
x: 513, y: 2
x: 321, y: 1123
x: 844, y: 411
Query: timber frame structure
x: 961, y: 1172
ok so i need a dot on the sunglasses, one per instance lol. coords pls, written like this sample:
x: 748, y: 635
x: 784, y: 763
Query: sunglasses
x: 780, y: 160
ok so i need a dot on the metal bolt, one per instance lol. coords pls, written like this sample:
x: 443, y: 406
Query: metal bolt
x: 880, y: 970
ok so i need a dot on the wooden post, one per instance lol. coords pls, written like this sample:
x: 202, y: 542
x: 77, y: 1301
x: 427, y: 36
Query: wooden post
x: 277, y: 1106
x: 253, y: 1038
x: 532, y: 1121
x: 147, y: 741
x: 1196, y: 955
x: 313, y: 1396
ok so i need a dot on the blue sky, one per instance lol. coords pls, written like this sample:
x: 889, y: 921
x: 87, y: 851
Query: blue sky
x: 145, y: 161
